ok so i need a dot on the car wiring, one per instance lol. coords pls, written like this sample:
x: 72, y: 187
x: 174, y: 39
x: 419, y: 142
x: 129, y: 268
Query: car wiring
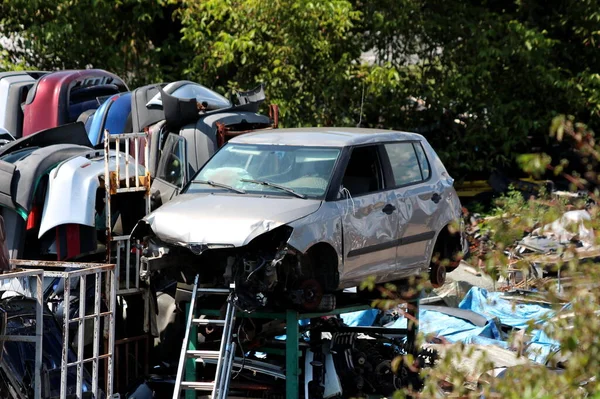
x: 241, y: 349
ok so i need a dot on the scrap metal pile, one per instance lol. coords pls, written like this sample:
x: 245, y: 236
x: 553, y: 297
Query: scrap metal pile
x: 74, y: 186
x: 66, y: 194
x: 56, y: 163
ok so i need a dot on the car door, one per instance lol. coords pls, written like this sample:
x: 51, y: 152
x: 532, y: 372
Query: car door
x: 369, y: 218
x: 171, y: 170
x: 416, y: 202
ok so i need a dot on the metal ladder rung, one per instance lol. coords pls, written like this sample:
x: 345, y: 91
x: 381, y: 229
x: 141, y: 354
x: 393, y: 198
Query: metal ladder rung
x: 198, y: 386
x: 202, y: 322
x: 223, y: 357
x: 203, y: 354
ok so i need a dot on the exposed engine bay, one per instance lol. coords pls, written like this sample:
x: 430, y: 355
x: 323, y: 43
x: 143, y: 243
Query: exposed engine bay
x: 266, y: 272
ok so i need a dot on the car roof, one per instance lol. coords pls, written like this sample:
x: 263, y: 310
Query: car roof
x: 324, y: 136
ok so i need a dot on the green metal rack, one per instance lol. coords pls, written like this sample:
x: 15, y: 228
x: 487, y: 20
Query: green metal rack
x: 292, y: 347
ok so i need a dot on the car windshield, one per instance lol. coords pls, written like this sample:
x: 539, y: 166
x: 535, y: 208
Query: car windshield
x: 268, y: 169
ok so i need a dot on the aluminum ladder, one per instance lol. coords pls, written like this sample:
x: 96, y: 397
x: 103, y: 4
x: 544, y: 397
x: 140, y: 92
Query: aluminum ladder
x: 224, y: 356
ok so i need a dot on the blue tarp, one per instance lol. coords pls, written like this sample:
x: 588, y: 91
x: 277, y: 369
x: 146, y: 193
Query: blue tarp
x: 516, y: 315
x: 491, y: 304
x: 454, y: 329
x: 361, y: 318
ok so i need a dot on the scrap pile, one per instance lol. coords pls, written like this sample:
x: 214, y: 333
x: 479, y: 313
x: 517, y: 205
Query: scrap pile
x: 66, y: 137
x: 507, y: 314
x: 67, y: 195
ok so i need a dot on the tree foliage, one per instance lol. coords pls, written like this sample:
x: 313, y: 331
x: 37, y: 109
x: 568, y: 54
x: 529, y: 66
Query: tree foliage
x: 127, y: 37
x: 303, y: 51
x: 481, y: 78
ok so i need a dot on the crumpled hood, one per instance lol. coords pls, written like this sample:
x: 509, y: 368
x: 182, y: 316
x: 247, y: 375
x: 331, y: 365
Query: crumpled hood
x: 224, y: 219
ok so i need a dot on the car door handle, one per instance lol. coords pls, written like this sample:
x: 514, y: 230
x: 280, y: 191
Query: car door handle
x: 388, y: 209
x: 436, y: 197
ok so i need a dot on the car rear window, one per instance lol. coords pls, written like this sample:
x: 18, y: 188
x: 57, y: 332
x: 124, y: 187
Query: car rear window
x: 408, y: 162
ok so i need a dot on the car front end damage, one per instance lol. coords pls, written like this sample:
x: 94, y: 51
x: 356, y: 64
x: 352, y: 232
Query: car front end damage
x: 266, y: 272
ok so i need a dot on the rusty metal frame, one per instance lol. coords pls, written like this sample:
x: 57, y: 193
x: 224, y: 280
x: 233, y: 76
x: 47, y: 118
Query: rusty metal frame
x: 126, y: 344
x: 129, y: 284
x: 80, y: 271
x: 39, y: 324
x: 224, y: 133
x: 113, y: 186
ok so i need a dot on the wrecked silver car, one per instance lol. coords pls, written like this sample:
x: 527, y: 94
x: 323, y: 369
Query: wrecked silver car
x: 293, y: 215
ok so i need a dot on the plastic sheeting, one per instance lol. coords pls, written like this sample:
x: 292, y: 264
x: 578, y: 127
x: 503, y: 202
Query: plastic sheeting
x: 454, y: 329
x: 492, y: 305
x: 360, y: 318
x: 510, y: 313
x: 489, y: 304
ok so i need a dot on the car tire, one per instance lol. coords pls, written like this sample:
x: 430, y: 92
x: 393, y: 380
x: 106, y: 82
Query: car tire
x: 437, y: 275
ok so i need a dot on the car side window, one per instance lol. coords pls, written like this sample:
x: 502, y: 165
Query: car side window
x: 171, y: 167
x: 404, y: 162
x: 363, y: 173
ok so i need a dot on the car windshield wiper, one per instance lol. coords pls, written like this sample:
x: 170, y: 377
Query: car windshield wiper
x: 275, y: 185
x: 221, y: 185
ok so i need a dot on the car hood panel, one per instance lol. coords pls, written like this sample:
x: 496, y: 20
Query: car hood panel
x: 225, y: 219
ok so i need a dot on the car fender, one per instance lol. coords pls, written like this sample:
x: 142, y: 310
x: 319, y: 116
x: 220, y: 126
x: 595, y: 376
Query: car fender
x: 72, y: 187
x: 27, y: 172
x: 452, y: 211
x: 451, y: 214
x: 322, y: 226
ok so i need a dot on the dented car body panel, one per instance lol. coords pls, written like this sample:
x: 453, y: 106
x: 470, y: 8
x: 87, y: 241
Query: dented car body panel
x: 324, y: 226
x: 343, y: 204
x: 216, y: 219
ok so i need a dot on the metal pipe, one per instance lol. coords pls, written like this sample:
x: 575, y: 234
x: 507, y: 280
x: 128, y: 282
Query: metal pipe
x: 225, y: 385
x: 39, y: 330
x: 114, y: 137
x: 107, y: 190
x: 80, y: 333
x: 137, y: 264
x: 221, y: 348
x: 89, y: 359
x: 88, y: 317
x: 136, y: 142
x: 49, y: 264
x: 127, y: 163
x: 19, y: 338
x: 127, y: 264
x: 258, y: 367
x: 96, y: 343
x: 118, y: 261
x: 65, y: 348
x: 111, y: 336
x: 146, y: 154
x: 118, y: 153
